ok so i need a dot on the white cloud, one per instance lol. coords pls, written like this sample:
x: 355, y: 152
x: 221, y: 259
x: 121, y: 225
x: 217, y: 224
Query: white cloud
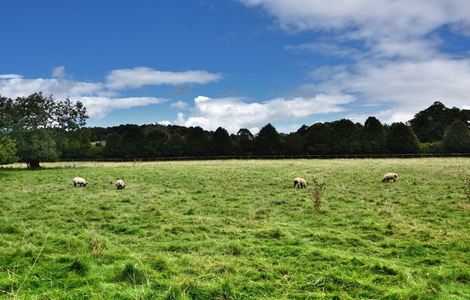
x: 367, y: 17
x: 398, y: 89
x: 9, y: 76
x: 98, y: 107
x: 97, y: 99
x: 401, y: 69
x: 181, y: 105
x: 58, y: 72
x: 137, y: 77
x: 389, y: 28
x: 236, y: 113
x: 61, y: 88
x: 164, y: 122
x: 324, y: 48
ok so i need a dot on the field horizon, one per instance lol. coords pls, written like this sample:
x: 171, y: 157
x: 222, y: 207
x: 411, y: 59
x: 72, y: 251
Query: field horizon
x: 236, y: 229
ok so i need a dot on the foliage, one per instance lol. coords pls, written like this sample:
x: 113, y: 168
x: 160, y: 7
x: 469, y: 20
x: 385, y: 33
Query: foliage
x: 37, y: 146
x: 457, y: 137
x: 220, y: 142
x: 268, y: 140
x: 373, y: 136
x: 30, y: 120
x: 316, y: 194
x: 431, y: 123
x: 197, y: 143
x: 249, y: 235
x: 7, y: 149
x: 402, y: 140
x: 113, y: 144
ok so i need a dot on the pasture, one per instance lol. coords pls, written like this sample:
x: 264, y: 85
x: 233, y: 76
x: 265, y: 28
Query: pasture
x: 236, y: 230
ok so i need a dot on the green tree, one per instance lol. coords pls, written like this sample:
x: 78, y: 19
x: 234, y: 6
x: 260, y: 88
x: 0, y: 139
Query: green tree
x: 197, y: 143
x: 402, y: 140
x: 344, y: 137
x: 35, y: 146
x: 133, y: 141
x: 220, y: 142
x: 112, y: 147
x: 174, y: 145
x: 457, y: 137
x: 431, y: 123
x: 155, y: 143
x: 7, y: 150
x: 28, y: 118
x: 373, y: 136
x: 268, y: 141
x: 245, y: 140
x: 317, y: 139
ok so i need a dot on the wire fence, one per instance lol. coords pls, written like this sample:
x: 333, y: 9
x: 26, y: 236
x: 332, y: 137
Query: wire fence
x: 269, y: 157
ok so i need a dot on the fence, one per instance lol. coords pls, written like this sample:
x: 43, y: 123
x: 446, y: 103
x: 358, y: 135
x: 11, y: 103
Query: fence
x: 247, y: 157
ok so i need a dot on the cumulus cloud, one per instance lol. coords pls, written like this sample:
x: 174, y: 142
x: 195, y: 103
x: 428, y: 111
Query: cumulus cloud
x: 97, y: 99
x: 100, y: 98
x: 406, y: 87
x: 58, y: 72
x: 236, y: 113
x: 137, y: 77
x: 181, y: 105
x: 98, y: 107
x: 399, y: 68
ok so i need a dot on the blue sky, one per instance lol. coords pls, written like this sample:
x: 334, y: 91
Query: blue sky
x: 239, y: 63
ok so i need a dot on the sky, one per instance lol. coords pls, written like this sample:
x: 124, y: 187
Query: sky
x: 239, y: 63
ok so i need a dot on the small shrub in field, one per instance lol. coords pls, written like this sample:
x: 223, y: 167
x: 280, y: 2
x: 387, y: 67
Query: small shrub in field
x: 316, y: 194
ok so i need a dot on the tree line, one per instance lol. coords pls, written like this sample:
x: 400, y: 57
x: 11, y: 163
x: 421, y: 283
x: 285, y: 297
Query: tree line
x: 38, y: 128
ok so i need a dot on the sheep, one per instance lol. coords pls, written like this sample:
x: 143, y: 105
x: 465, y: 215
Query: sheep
x: 79, y: 181
x: 120, y: 184
x: 300, y: 183
x: 390, y: 176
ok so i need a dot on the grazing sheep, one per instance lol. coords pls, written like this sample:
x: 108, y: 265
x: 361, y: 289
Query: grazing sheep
x: 300, y: 183
x: 79, y: 181
x: 120, y: 184
x: 390, y: 176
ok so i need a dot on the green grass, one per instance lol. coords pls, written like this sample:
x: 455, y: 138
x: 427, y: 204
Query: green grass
x: 236, y: 230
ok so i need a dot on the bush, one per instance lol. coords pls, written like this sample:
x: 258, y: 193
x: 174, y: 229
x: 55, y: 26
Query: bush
x: 7, y: 150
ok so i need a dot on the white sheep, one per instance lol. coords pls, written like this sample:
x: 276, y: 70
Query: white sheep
x: 300, y: 183
x: 120, y: 184
x: 79, y: 181
x: 390, y: 176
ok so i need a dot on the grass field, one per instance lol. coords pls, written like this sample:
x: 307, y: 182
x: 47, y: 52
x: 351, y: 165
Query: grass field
x: 236, y: 230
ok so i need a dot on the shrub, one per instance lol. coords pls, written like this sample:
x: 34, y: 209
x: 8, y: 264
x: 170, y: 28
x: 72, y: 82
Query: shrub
x: 316, y: 194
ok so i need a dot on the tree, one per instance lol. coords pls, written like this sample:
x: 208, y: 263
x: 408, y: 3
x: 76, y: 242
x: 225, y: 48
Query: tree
x: 175, y: 145
x: 35, y: 146
x: 431, y: 123
x: 197, y: 142
x: 132, y: 142
x: 220, y: 142
x: 402, y: 140
x: 457, y: 137
x: 317, y: 140
x: 245, y: 140
x: 344, y: 137
x: 27, y: 118
x: 268, y: 141
x: 155, y: 143
x: 7, y: 150
x: 113, y: 144
x: 373, y: 136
